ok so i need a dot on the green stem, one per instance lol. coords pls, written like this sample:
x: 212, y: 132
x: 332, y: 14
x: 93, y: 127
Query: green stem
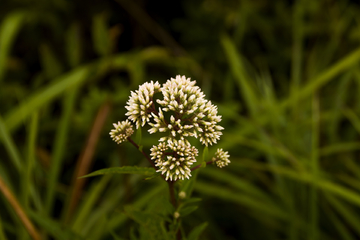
x: 142, y: 152
x: 198, y: 166
x: 174, y: 203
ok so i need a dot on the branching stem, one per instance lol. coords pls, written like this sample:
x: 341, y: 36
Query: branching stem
x: 198, y: 166
x: 142, y: 152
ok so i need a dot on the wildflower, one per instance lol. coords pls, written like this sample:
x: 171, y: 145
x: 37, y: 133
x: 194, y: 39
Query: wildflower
x: 221, y: 158
x: 192, y: 116
x: 122, y: 131
x: 140, y: 103
x: 174, y: 158
x: 181, y: 112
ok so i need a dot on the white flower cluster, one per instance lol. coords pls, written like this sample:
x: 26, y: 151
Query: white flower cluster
x: 221, y: 158
x: 122, y: 131
x: 174, y: 158
x: 182, y: 112
x: 192, y: 115
x: 140, y: 103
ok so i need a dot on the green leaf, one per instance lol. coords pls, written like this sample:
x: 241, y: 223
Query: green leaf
x: 50, y: 62
x: 10, y: 146
x: 8, y: 31
x: 188, y: 184
x: 195, y: 233
x: 346, y: 211
x: 115, y: 236
x: 152, y: 225
x: 100, y: 33
x: 153, y: 176
x: 88, y: 204
x: 228, y: 194
x: 187, y: 210
x: 148, y: 195
x: 238, y: 70
x: 61, y: 138
x: 149, y: 171
x: 15, y: 117
x: 138, y: 138
x: 323, y: 78
x: 2, y: 234
x: 54, y: 228
x: 205, y: 155
x: 73, y: 44
x: 192, y: 200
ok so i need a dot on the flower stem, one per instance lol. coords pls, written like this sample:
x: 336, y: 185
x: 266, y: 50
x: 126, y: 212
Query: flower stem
x: 174, y: 203
x: 198, y: 166
x: 142, y: 152
x: 172, y: 193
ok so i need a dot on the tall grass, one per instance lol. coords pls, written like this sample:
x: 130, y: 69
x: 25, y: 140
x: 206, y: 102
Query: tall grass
x: 286, y: 79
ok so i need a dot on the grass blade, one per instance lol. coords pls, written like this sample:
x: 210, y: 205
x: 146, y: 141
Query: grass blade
x: 323, y: 78
x: 242, y: 199
x: 314, y: 168
x: 10, y: 146
x: 148, y: 171
x: 196, y: 232
x: 53, y: 227
x: 239, y: 73
x: 347, y: 212
x: 59, y: 148
x: 8, y: 31
x: 87, y: 205
x: 27, y: 107
x: 2, y: 233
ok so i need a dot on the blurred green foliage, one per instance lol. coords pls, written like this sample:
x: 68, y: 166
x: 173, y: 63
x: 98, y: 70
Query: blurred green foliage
x: 286, y: 78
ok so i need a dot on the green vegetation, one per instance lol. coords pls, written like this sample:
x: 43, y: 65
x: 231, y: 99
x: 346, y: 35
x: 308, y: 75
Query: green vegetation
x: 285, y: 76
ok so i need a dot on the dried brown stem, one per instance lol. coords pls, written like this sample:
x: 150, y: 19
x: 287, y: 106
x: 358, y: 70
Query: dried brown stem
x: 19, y: 211
x: 85, y: 160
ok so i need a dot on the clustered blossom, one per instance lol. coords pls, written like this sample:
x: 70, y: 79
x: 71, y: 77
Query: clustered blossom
x: 140, y: 103
x: 182, y: 112
x: 192, y: 115
x: 174, y: 158
x: 122, y: 131
x: 221, y: 158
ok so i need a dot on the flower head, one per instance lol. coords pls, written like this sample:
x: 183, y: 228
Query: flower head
x: 221, y: 158
x: 140, y: 103
x: 180, y: 112
x: 174, y: 158
x: 122, y: 131
x: 191, y: 114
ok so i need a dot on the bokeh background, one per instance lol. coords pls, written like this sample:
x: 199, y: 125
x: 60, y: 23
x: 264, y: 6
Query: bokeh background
x: 284, y: 74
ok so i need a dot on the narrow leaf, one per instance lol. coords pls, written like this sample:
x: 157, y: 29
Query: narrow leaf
x: 195, y: 233
x: 8, y: 31
x: 100, y: 35
x: 15, y: 117
x: 10, y: 147
x: 123, y: 170
x: 205, y: 154
x: 187, y: 210
x: 54, y: 228
x: 73, y: 44
x: 238, y: 70
x: 138, y: 137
